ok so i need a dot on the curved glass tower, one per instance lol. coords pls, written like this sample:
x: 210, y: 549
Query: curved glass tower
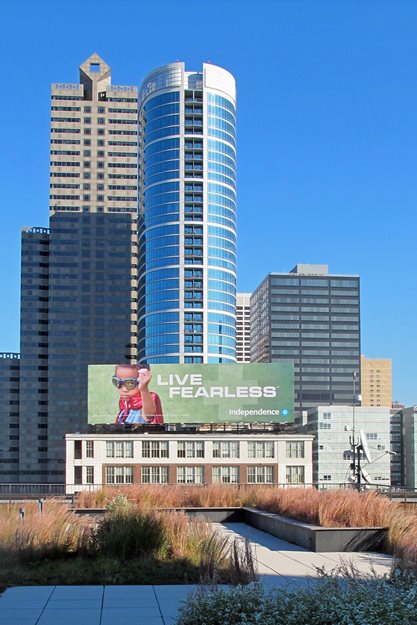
x: 187, y: 216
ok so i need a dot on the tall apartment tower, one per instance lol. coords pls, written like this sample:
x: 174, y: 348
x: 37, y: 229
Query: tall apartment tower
x: 312, y: 319
x: 376, y: 381
x: 243, y: 327
x: 187, y: 216
x: 90, y: 314
x: 9, y: 417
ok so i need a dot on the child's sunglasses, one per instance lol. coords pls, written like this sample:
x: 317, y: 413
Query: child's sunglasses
x: 128, y: 383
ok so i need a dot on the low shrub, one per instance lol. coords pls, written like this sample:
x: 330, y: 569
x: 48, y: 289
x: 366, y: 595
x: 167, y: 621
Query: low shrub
x: 352, y: 600
x: 126, y: 534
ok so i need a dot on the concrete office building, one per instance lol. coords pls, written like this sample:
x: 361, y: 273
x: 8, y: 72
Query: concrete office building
x: 175, y: 455
x: 332, y: 428
x: 9, y: 417
x: 187, y: 216
x: 79, y: 306
x: 243, y: 327
x: 376, y: 381
x: 311, y: 318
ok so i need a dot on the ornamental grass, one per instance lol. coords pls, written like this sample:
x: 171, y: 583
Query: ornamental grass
x: 327, y: 508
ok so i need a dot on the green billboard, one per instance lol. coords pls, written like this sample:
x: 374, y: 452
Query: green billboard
x: 258, y: 392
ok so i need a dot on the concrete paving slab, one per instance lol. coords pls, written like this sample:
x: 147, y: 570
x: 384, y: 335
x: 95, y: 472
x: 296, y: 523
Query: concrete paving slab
x: 129, y: 597
x: 70, y: 616
x: 9, y: 616
x: 75, y: 602
x: 135, y: 615
x: 79, y: 592
x: 140, y: 620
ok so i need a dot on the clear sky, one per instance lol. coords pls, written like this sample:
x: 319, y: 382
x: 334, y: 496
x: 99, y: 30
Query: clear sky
x: 327, y: 134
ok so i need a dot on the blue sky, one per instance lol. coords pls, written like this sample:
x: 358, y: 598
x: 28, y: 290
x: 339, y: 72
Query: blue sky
x: 327, y: 135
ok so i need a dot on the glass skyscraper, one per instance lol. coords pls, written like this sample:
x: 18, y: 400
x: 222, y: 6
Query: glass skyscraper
x: 187, y: 216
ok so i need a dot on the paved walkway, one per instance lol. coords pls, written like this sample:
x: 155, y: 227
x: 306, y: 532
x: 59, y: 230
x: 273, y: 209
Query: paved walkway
x: 279, y: 563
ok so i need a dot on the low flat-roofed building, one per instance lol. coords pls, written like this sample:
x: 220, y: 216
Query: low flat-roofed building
x: 174, y: 454
x: 332, y: 428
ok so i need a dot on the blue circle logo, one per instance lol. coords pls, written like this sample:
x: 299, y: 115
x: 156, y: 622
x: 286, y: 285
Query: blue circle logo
x: 284, y: 412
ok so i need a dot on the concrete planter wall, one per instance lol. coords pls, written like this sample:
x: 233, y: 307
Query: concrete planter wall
x: 314, y: 537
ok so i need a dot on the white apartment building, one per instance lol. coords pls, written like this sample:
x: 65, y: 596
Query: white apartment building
x: 161, y: 456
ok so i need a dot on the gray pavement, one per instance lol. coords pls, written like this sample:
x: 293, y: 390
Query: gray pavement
x: 280, y: 564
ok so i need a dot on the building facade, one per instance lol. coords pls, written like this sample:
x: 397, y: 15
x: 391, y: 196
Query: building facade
x: 200, y: 457
x: 311, y: 318
x: 376, y: 381
x: 79, y: 277
x: 9, y: 417
x: 187, y: 216
x: 409, y: 437
x: 34, y: 347
x: 332, y: 428
x: 243, y: 327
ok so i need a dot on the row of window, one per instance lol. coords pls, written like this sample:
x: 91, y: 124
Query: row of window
x: 190, y: 475
x: 190, y: 449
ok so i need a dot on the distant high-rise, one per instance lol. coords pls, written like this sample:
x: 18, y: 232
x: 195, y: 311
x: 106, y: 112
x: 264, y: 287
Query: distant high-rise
x: 34, y: 347
x: 79, y: 278
x: 187, y: 216
x: 243, y: 327
x: 312, y: 319
x: 9, y: 417
x: 376, y: 381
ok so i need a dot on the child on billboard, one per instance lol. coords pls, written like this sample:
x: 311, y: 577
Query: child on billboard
x: 137, y: 403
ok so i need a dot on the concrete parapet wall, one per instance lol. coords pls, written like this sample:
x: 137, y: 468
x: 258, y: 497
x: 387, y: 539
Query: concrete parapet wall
x: 314, y: 537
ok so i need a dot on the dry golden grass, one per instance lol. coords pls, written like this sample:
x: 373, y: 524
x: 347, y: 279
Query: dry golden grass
x: 58, y: 531
x: 328, y: 508
x: 55, y: 532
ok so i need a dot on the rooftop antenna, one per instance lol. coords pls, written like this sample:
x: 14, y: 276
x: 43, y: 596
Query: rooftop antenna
x: 365, y: 447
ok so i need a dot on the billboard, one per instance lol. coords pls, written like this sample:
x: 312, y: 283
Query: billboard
x: 220, y: 393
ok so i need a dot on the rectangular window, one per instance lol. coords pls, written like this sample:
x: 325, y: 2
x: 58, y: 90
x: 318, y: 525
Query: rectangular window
x: 119, y: 475
x: 154, y: 475
x: 261, y: 449
x: 89, y: 475
x: 119, y: 449
x: 295, y: 449
x: 295, y: 475
x: 226, y: 449
x: 225, y: 475
x: 155, y: 449
x: 190, y: 449
x: 89, y: 449
x: 190, y: 475
x: 260, y: 475
x: 78, y: 454
x: 78, y: 475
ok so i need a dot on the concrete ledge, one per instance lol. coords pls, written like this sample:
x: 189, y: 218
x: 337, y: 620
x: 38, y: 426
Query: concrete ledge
x: 314, y: 537
x: 211, y: 515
